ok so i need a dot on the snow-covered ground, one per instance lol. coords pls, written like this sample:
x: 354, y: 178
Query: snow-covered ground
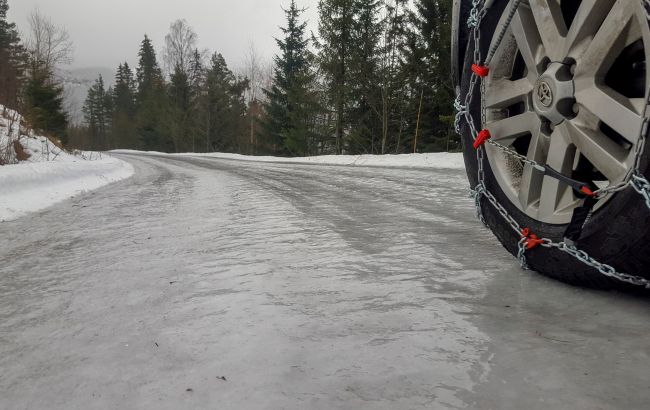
x: 44, y: 174
x: 431, y: 160
x: 34, y: 186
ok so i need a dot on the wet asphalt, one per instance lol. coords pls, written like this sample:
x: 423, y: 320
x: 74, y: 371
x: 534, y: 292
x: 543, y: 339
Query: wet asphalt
x: 218, y: 284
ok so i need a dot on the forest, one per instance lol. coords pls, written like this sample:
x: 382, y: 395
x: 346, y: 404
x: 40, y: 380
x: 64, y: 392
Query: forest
x: 373, y: 79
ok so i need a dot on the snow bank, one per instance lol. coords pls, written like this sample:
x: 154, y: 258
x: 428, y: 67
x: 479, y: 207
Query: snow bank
x: 431, y: 160
x: 49, y: 174
x: 30, y: 187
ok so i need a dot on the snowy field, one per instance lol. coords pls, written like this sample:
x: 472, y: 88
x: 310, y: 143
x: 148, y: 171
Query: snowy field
x: 432, y: 160
x: 46, y: 174
x: 204, y: 283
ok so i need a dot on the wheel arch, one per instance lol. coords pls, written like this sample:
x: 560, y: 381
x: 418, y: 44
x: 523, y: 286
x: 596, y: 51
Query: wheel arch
x: 460, y: 13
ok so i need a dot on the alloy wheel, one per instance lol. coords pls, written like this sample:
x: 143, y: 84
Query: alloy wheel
x: 567, y: 88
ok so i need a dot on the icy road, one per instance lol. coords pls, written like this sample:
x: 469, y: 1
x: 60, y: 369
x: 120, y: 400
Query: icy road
x: 218, y: 284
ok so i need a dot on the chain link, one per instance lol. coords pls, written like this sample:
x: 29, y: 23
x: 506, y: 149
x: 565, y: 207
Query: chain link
x: 460, y: 112
x: 511, y: 152
x: 475, y: 16
x: 642, y: 186
x: 603, y: 268
x: 633, y: 178
x: 521, y: 254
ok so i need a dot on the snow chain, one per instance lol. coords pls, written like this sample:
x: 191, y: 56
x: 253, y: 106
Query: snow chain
x: 528, y: 240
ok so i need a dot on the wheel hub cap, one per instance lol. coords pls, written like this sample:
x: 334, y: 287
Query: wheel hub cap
x: 554, y: 94
x: 567, y: 89
x: 545, y: 94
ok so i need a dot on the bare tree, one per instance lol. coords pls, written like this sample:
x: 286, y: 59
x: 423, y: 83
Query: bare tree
x: 180, y: 45
x: 252, y: 71
x: 259, y: 73
x: 395, y: 15
x: 49, y: 45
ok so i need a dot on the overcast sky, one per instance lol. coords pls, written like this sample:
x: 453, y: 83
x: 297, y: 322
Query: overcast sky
x: 107, y: 32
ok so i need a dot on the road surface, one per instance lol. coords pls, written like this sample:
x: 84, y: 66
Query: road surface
x: 204, y: 283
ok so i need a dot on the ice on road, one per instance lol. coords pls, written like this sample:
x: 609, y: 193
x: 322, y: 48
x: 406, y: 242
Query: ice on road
x: 212, y: 283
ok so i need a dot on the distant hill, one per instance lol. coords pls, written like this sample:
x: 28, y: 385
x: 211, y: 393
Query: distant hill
x: 77, y: 82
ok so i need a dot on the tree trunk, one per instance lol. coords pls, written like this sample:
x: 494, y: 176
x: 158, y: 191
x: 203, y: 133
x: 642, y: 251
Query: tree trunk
x: 417, y: 124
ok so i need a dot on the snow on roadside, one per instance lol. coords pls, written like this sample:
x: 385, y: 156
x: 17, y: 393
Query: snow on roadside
x: 31, y: 187
x: 49, y: 174
x: 430, y: 160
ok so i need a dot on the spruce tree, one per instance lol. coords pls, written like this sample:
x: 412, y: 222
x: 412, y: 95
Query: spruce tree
x: 150, y: 100
x: 44, y: 94
x: 124, y: 110
x: 44, y: 102
x: 97, y: 111
x: 292, y: 107
x: 365, y: 80
x: 149, y: 75
x: 197, y: 116
x: 336, y: 21
x: 177, y: 117
x: 394, y: 94
x: 226, y: 106
x: 428, y: 61
x: 125, y: 90
x: 13, y: 60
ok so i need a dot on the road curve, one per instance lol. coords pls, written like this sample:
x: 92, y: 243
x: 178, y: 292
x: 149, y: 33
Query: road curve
x: 205, y: 283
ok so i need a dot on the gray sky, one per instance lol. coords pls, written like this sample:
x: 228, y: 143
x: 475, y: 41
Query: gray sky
x: 108, y: 32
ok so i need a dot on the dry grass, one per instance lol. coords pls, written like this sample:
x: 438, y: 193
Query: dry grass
x: 21, y: 154
x: 7, y: 154
x: 57, y: 142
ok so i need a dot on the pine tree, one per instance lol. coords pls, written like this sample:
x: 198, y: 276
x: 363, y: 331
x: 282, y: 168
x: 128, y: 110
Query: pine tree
x: 292, y: 107
x: 150, y: 100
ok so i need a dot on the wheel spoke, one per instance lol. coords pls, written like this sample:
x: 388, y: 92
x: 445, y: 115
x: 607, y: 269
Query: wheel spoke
x: 613, y: 109
x: 612, y: 37
x: 551, y: 26
x: 530, y: 186
x: 528, y: 40
x: 588, y: 19
x: 561, y: 155
x: 601, y: 151
x: 507, y: 130
x: 504, y: 93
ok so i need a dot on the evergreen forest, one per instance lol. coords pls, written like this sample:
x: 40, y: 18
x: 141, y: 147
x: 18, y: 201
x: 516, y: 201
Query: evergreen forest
x: 374, y: 78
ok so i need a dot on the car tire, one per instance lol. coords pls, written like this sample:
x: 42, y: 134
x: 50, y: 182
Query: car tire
x: 617, y: 234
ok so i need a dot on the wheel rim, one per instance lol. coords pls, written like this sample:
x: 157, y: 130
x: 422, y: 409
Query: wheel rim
x: 567, y: 88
